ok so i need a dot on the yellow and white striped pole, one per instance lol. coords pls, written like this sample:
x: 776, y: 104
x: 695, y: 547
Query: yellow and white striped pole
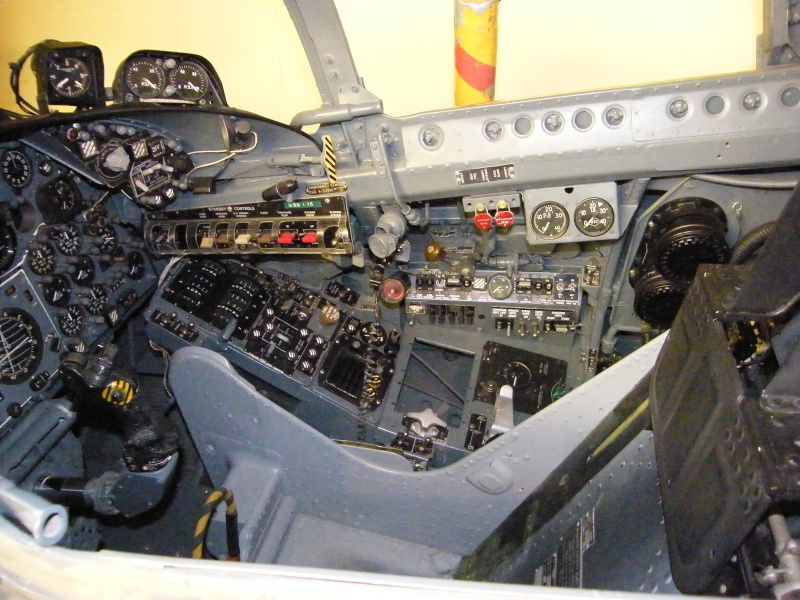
x: 476, y: 50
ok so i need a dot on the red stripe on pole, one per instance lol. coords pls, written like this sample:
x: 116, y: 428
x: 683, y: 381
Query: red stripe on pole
x: 477, y: 74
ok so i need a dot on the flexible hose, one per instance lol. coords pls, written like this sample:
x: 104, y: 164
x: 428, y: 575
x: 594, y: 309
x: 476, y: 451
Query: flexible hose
x: 751, y: 242
x: 231, y: 524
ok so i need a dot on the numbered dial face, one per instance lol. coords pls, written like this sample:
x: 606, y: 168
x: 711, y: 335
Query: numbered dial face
x: 16, y: 168
x: 97, y: 299
x: 594, y: 216
x: 107, y: 239
x: 145, y: 78
x: 190, y: 81
x: 82, y: 272
x: 69, y: 77
x: 42, y: 259
x: 500, y: 287
x: 20, y: 346
x: 72, y: 320
x: 550, y: 220
x: 68, y: 239
x: 8, y: 247
x: 58, y: 291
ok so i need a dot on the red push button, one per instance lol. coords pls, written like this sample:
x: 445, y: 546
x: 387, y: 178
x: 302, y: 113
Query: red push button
x: 286, y: 238
x: 309, y: 238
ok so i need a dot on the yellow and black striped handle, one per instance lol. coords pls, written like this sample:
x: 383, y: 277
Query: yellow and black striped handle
x: 329, y: 158
x: 231, y: 523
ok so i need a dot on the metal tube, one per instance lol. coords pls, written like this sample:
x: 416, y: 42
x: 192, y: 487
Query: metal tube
x: 47, y: 522
x: 475, y: 50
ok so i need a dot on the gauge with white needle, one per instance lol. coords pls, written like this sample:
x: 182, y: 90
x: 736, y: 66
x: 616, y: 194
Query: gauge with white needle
x: 145, y: 78
x: 550, y: 220
x: 190, y: 80
x: 69, y: 76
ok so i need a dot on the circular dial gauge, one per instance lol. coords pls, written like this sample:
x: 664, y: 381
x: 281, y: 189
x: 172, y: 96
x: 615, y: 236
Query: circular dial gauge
x: 16, y: 168
x: 190, y: 80
x: 107, y: 239
x: 594, y: 216
x: 58, y: 200
x: 500, y: 286
x: 58, y: 291
x: 69, y: 76
x: 68, y: 239
x: 82, y: 270
x: 72, y: 320
x: 20, y: 346
x: 135, y: 265
x: 97, y: 299
x: 517, y: 374
x: 145, y: 78
x: 550, y: 220
x: 42, y: 259
x: 8, y: 246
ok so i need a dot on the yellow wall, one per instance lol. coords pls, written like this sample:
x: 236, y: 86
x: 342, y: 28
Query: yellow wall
x: 403, y: 50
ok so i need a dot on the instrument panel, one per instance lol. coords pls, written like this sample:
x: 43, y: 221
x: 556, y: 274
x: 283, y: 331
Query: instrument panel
x: 163, y: 77
x: 72, y: 269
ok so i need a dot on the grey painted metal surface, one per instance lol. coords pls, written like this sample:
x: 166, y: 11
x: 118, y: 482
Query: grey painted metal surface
x: 618, y: 515
x: 453, y: 508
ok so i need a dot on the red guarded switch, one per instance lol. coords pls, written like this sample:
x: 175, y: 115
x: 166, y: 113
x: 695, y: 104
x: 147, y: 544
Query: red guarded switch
x: 286, y: 238
x: 309, y: 237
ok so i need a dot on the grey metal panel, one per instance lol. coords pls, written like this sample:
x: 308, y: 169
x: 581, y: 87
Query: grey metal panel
x: 648, y: 141
x: 628, y: 548
x: 452, y: 508
x: 328, y: 52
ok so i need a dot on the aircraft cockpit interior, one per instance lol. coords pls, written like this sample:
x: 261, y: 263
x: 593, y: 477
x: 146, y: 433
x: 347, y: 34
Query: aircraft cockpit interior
x: 497, y: 348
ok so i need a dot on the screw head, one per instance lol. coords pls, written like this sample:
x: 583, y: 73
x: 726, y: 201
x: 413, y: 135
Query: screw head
x: 679, y: 108
x: 751, y: 101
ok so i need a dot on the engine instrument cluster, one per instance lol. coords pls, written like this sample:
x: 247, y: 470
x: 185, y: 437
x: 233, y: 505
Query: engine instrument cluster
x: 168, y: 78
